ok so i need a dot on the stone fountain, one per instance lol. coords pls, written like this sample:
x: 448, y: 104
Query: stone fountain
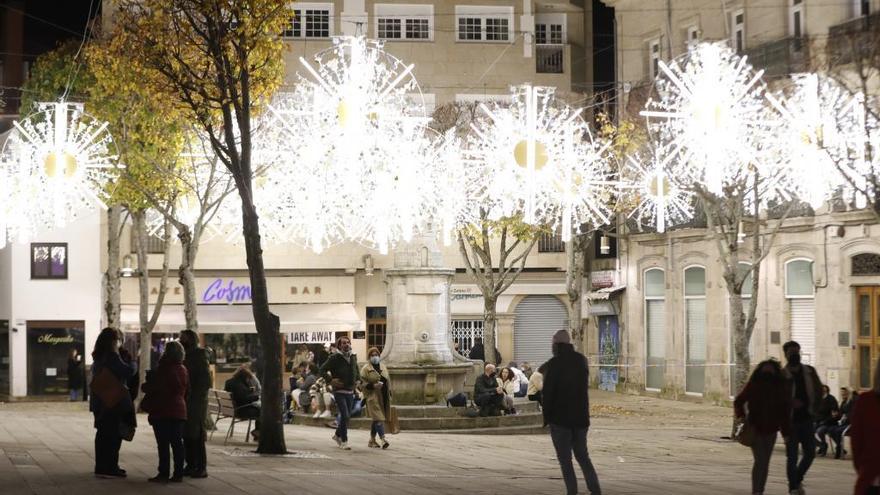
x: 417, y: 351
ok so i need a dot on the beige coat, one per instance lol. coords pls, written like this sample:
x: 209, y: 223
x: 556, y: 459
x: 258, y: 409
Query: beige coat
x: 378, y: 401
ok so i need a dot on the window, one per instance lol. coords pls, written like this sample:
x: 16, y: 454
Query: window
x: 418, y: 29
x: 655, y: 328
x: 309, y: 21
x: 48, y: 261
x: 389, y: 29
x: 799, y: 290
x: 548, y: 34
x: 466, y: 332
x: 738, y: 31
x: 861, y: 8
x: 692, y: 38
x: 695, y: 321
x: 796, y: 18
x: 377, y: 324
x: 484, y: 23
x: 654, y: 54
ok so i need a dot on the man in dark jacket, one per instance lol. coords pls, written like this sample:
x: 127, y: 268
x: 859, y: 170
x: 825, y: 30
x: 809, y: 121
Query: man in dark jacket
x: 566, y: 405
x: 488, y: 395
x: 806, y: 399
x: 194, y: 432
x: 344, y: 374
x: 825, y: 419
x: 478, y: 352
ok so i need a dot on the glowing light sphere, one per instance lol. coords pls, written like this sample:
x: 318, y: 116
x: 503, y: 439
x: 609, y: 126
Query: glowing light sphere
x: 352, y: 146
x: 711, y: 113
x: 537, y: 157
x: 661, y: 199
x: 823, y: 136
x: 61, y: 156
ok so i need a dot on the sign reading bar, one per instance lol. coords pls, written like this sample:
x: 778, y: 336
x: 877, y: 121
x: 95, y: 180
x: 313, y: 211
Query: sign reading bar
x: 310, y: 337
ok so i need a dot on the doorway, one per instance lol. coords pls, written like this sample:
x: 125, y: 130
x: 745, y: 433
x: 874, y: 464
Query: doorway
x: 867, y: 342
x: 49, y: 345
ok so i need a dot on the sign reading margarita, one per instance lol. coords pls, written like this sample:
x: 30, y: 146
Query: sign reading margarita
x: 227, y: 291
x: 309, y: 337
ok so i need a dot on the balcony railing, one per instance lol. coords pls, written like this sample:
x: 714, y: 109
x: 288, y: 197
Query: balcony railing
x: 781, y: 57
x: 551, y: 243
x: 550, y: 59
x: 858, y: 38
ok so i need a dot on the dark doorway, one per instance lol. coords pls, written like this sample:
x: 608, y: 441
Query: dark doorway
x: 48, y: 347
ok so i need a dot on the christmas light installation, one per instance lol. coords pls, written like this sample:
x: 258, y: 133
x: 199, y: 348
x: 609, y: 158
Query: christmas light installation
x: 661, y: 200
x: 824, y: 136
x: 711, y: 113
x: 352, y: 148
x: 538, y: 158
x: 60, y: 155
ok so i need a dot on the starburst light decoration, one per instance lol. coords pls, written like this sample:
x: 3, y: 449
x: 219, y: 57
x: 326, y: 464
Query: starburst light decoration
x: 712, y: 115
x: 352, y: 147
x: 538, y: 158
x: 823, y: 137
x: 661, y: 199
x: 60, y: 155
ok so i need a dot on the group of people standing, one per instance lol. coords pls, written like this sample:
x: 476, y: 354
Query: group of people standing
x: 175, y: 398
x: 791, y: 400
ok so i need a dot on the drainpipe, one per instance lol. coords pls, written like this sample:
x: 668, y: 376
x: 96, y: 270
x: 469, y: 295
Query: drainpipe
x: 527, y: 26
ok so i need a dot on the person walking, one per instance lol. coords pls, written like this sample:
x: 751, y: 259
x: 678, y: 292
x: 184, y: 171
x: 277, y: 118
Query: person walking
x: 195, y: 433
x: 566, y: 408
x: 377, y: 395
x: 765, y: 404
x: 110, y: 402
x: 342, y: 367
x: 806, y: 390
x: 75, y: 375
x: 165, y: 401
x: 865, y: 436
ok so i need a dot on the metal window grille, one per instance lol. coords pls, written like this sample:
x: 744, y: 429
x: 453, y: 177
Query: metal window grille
x: 466, y: 332
x: 389, y: 29
x: 551, y: 243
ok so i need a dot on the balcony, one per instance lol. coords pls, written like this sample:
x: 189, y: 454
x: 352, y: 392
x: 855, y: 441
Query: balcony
x: 550, y: 59
x: 854, y: 39
x: 551, y: 243
x: 781, y: 57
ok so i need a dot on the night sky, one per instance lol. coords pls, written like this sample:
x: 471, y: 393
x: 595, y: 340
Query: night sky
x: 49, y: 22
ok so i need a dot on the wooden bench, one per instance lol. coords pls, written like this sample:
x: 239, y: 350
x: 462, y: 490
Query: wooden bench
x: 221, y: 405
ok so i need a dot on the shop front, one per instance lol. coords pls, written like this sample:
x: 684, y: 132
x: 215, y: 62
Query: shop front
x: 50, y: 345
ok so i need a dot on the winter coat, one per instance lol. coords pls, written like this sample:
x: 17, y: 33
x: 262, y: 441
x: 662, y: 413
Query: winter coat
x: 342, y: 369
x: 536, y: 383
x: 865, y: 435
x: 485, y: 385
x: 768, y: 404
x: 200, y: 382
x: 510, y: 387
x: 813, y: 388
x: 244, y: 390
x: 123, y: 371
x: 75, y: 377
x: 566, y: 400
x: 166, y: 391
x: 378, y: 400
x: 478, y: 352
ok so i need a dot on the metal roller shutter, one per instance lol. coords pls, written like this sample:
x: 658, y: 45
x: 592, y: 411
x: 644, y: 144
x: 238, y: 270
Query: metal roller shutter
x: 696, y: 345
x: 803, y: 327
x: 656, y: 340
x: 537, y: 319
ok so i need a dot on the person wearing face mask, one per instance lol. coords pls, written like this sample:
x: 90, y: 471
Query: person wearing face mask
x: 342, y: 367
x: 377, y: 396
x: 806, y: 397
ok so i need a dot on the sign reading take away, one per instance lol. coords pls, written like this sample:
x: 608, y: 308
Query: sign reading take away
x: 310, y: 337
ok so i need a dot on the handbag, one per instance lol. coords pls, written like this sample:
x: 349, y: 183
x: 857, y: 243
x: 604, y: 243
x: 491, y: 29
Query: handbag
x: 393, y: 421
x: 108, y: 388
x: 745, y: 433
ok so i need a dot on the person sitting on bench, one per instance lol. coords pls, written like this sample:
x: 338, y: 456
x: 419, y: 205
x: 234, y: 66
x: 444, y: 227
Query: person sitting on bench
x: 488, y: 395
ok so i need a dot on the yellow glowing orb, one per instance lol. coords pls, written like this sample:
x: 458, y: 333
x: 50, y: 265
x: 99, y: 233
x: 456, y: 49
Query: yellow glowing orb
x: 342, y: 113
x: 654, y: 187
x: 60, y: 161
x: 714, y: 116
x: 521, y: 154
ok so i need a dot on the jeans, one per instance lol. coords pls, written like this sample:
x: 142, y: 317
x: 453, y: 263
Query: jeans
x: 107, y: 444
x: 344, y: 403
x: 169, y: 432
x: 822, y: 433
x: 196, y: 455
x: 566, y: 440
x: 489, y: 403
x: 377, y: 428
x: 762, y: 449
x: 802, y: 435
x: 836, y: 433
x: 75, y: 394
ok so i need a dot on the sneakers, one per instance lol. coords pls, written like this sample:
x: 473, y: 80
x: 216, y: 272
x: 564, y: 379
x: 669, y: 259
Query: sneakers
x: 384, y: 443
x: 344, y: 446
x: 159, y: 478
x: 317, y: 414
x: 326, y: 413
x: 119, y: 473
x: 372, y: 444
x: 337, y: 440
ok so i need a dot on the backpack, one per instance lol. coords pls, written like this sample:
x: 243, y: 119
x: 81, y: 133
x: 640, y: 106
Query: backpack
x: 457, y: 400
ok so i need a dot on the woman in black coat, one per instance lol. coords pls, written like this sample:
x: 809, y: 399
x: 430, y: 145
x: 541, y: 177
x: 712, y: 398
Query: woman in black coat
x: 75, y: 377
x: 112, y: 421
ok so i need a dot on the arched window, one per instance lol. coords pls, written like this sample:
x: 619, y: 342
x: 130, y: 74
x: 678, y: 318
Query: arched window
x: 799, y: 290
x: 655, y: 328
x: 695, y: 328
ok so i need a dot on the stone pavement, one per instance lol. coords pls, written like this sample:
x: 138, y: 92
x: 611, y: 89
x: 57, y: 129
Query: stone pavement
x: 639, y: 445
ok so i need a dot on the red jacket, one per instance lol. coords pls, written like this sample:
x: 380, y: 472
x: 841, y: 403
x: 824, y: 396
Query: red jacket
x: 166, y: 391
x: 865, y: 435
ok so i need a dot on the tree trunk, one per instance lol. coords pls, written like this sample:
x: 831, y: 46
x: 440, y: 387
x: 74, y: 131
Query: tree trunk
x: 189, y: 248
x: 139, y: 225
x: 112, y: 285
x: 575, y: 251
x: 742, y: 334
x: 268, y: 327
x: 490, y: 319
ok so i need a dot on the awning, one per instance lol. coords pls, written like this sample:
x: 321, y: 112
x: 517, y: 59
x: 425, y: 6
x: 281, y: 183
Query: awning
x: 606, y: 293
x: 238, y: 318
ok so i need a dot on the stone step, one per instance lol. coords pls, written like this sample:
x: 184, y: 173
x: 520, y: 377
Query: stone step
x: 436, y: 423
x: 441, y: 411
x: 500, y: 430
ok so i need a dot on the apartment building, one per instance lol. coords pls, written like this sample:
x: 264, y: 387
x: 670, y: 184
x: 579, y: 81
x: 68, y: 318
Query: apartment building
x: 818, y: 286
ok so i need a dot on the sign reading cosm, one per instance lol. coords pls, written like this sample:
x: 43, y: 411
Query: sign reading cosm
x: 228, y: 292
